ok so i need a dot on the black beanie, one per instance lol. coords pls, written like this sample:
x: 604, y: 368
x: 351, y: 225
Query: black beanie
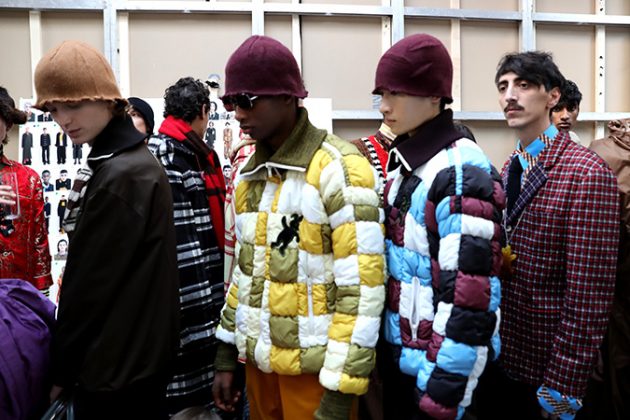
x: 145, y: 110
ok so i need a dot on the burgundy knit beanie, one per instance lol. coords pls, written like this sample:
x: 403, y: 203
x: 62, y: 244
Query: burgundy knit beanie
x: 263, y: 66
x: 418, y: 65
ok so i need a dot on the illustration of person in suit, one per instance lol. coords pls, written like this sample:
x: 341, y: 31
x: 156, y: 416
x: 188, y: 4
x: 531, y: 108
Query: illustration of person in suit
x: 44, y: 117
x: 44, y: 142
x: 211, y: 134
x: 63, y: 183
x: 47, y: 212
x: 61, y: 142
x: 77, y: 153
x: 61, y: 211
x: 27, y: 144
x: 46, y: 181
x: 214, y: 115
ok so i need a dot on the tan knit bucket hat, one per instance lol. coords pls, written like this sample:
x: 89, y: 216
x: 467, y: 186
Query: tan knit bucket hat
x: 74, y: 71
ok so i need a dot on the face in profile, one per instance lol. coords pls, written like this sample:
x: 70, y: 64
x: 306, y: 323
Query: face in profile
x: 82, y: 121
x: 404, y: 113
x: 138, y: 120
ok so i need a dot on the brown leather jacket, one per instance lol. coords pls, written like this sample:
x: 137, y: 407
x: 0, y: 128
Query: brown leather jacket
x: 615, y: 150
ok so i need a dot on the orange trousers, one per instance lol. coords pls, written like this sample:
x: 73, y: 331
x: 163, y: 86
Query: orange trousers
x: 283, y: 397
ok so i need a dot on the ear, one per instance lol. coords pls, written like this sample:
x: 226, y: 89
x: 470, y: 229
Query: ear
x: 290, y: 100
x: 554, y: 97
x: 435, y: 99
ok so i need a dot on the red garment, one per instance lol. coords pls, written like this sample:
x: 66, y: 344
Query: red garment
x: 212, y: 174
x: 376, y: 149
x: 24, y: 254
x: 238, y: 155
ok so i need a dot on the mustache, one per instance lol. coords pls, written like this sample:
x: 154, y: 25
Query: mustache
x: 513, y: 107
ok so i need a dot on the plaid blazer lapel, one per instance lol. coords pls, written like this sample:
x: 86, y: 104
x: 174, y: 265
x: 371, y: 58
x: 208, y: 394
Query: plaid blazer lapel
x: 537, y: 177
x: 535, y: 180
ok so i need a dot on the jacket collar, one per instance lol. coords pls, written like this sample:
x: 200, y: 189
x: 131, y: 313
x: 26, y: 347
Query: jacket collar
x: 120, y: 134
x: 431, y: 137
x: 537, y: 177
x: 295, y: 153
x: 550, y: 155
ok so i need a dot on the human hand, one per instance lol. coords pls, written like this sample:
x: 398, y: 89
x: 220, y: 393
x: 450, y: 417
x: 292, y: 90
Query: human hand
x: 225, y: 396
x: 54, y: 392
x: 7, y: 195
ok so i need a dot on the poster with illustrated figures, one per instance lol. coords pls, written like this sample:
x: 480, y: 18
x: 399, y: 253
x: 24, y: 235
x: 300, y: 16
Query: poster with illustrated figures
x: 50, y: 152
x: 46, y: 149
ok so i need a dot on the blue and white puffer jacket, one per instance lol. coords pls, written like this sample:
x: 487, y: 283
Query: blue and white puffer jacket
x: 443, y: 203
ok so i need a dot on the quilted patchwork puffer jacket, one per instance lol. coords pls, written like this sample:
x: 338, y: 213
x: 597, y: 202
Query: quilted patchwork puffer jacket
x: 308, y: 291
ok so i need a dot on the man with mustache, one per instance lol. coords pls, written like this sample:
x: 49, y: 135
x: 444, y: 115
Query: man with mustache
x: 562, y: 229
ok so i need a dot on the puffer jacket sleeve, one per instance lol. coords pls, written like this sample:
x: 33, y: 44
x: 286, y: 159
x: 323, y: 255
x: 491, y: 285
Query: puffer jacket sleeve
x: 463, y: 215
x: 348, y: 187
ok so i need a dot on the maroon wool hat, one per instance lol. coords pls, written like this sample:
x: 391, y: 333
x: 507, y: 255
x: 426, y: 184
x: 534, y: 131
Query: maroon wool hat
x: 418, y: 65
x: 263, y: 66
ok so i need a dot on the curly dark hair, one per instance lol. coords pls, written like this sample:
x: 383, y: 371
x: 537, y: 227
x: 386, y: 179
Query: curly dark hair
x: 570, y: 96
x: 9, y: 113
x: 186, y: 98
x: 536, y: 67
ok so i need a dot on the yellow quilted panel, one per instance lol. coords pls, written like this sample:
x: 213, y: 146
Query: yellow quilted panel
x: 232, y: 299
x: 302, y: 292
x: 320, y: 160
x: 344, y: 240
x: 371, y: 269
x: 311, y: 237
x: 359, y: 171
x: 353, y: 384
x: 319, y: 299
x: 240, y: 196
x: 261, y: 228
x: 283, y: 299
x: 285, y: 361
x: 341, y: 327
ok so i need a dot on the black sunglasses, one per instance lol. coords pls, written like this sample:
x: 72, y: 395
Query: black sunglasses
x: 242, y: 100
